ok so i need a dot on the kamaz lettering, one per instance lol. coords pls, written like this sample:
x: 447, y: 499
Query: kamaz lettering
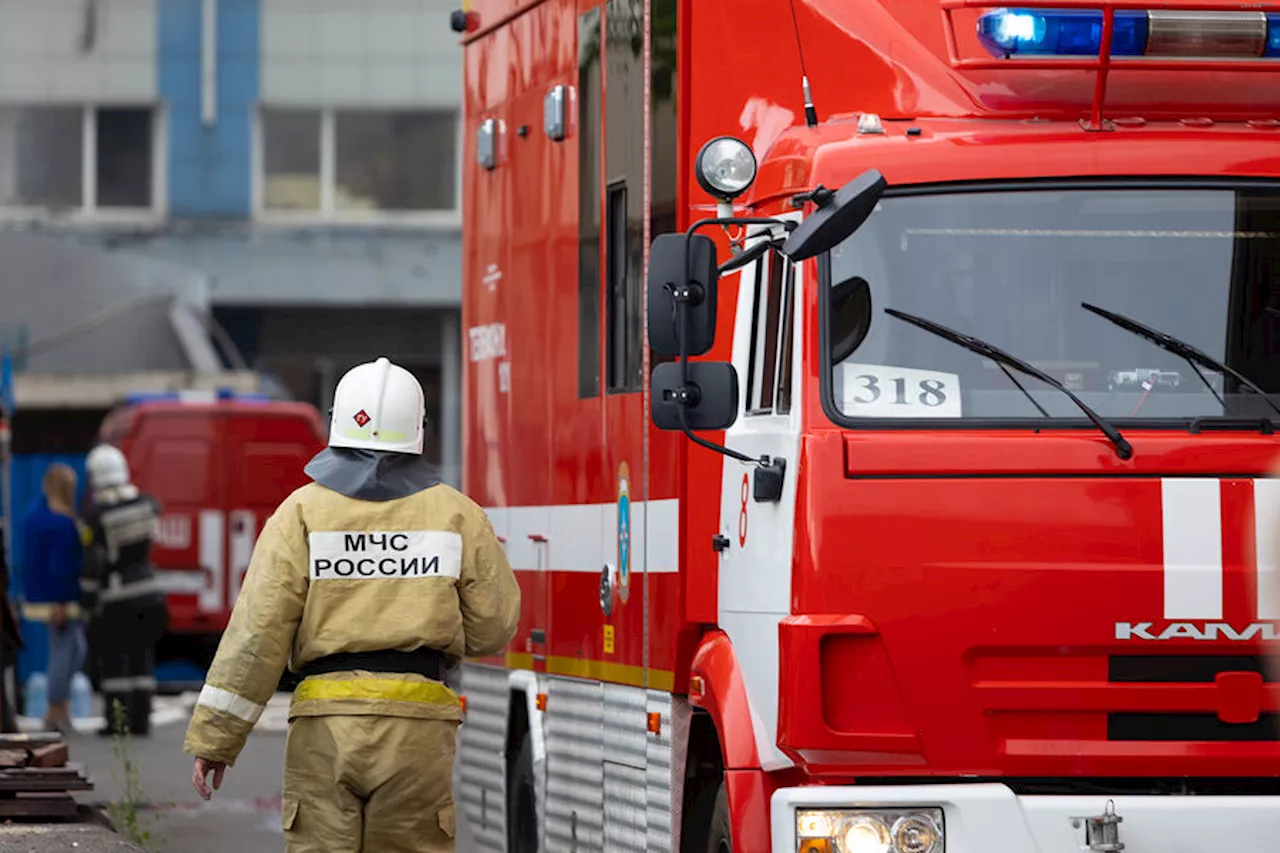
x: 1195, y: 631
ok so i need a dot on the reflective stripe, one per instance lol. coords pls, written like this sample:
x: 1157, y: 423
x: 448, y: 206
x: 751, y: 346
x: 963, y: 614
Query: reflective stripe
x: 88, y: 584
x: 150, y: 586
x: 40, y: 612
x: 127, y: 683
x: 224, y: 700
x: 423, y: 692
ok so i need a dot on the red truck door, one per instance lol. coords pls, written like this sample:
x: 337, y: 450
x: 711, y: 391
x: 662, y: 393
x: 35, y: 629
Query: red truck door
x: 270, y: 451
x: 175, y: 456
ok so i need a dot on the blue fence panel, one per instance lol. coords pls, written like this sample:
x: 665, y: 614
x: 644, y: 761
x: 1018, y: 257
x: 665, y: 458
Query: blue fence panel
x: 26, y: 472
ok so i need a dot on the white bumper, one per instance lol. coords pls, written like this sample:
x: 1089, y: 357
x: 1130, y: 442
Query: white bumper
x: 991, y: 818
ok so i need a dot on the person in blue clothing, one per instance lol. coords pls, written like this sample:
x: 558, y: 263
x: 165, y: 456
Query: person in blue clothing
x: 52, y: 559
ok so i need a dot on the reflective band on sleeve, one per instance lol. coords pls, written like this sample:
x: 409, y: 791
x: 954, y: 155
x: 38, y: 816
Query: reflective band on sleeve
x: 422, y: 692
x: 150, y: 586
x: 224, y: 700
x: 40, y: 612
x: 126, y: 683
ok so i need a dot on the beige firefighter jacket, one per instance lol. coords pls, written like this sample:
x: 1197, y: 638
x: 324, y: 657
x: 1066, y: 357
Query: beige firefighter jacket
x: 334, y: 574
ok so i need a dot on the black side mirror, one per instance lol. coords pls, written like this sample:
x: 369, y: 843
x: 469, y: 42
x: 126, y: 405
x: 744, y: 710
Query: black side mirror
x: 709, y: 397
x: 682, y: 278
x: 837, y: 218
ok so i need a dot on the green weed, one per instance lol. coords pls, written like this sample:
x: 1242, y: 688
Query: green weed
x: 124, y: 812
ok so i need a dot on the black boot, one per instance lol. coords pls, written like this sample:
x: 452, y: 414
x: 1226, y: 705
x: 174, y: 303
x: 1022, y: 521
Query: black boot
x: 140, y: 712
x: 109, y: 712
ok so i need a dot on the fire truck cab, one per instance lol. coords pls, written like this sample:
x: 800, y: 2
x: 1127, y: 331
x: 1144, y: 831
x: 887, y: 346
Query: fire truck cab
x: 877, y: 401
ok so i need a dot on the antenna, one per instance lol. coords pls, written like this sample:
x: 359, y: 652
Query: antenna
x: 810, y: 114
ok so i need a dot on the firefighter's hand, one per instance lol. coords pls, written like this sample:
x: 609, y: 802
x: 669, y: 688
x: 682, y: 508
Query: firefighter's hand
x: 202, y: 769
x: 59, y: 616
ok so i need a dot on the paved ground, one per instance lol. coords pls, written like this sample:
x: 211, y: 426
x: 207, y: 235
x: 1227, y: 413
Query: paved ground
x: 243, y: 817
x: 47, y: 839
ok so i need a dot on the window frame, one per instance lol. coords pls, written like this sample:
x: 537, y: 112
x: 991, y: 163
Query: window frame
x: 826, y: 382
x: 783, y: 329
x: 88, y: 210
x: 328, y: 213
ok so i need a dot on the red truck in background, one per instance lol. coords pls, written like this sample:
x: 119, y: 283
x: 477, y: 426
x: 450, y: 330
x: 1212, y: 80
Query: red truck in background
x: 219, y: 464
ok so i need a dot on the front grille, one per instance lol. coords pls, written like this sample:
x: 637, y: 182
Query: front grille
x: 1205, y: 727
x: 1198, y: 726
x: 1181, y: 669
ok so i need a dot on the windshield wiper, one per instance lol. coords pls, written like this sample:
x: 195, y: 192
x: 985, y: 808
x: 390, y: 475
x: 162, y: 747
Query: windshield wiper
x: 1003, y: 359
x: 1182, y: 349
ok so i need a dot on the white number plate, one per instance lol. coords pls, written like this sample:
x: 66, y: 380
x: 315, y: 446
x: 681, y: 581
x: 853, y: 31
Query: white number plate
x: 880, y: 391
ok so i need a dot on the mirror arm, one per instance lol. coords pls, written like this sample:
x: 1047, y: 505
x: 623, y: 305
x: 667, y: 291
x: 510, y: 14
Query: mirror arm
x: 788, y: 224
x: 688, y: 395
x: 750, y: 255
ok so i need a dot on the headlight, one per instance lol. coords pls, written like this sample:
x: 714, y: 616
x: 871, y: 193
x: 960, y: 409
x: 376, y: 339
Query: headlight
x: 870, y: 831
x: 725, y: 167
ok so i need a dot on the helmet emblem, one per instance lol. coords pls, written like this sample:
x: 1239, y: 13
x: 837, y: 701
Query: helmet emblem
x: 362, y: 417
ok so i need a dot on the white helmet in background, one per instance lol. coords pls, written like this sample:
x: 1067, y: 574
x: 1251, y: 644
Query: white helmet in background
x: 378, y: 406
x: 106, y: 467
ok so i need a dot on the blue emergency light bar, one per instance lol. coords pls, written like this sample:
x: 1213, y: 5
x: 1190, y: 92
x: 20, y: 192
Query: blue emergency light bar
x: 1078, y: 32
x: 192, y: 397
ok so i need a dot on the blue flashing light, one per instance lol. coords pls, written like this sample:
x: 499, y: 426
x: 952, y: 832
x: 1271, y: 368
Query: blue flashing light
x: 179, y: 397
x: 1273, y: 35
x: 1050, y: 32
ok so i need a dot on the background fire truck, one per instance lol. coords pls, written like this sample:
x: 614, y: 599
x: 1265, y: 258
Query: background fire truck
x: 219, y: 464
x: 954, y: 588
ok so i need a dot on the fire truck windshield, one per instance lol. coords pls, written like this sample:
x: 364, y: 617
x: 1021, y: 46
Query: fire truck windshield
x: 1014, y: 268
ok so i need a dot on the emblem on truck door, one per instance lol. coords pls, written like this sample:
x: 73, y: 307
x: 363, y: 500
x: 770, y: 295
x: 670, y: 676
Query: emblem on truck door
x: 624, y: 532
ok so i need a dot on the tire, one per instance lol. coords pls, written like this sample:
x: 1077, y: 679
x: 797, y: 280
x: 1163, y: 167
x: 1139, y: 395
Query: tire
x: 707, y: 824
x: 522, y: 809
x: 720, y: 839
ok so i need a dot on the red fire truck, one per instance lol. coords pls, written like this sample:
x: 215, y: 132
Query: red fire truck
x: 219, y: 464
x: 876, y: 400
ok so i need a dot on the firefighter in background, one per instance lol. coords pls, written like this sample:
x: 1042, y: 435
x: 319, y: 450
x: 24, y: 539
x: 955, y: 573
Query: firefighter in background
x: 121, y: 592
x: 370, y: 582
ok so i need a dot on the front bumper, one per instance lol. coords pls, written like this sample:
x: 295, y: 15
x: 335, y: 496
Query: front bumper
x: 991, y: 818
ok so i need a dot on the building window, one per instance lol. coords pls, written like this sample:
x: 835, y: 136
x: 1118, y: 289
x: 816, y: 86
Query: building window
x: 358, y: 164
x: 291, y: 159
x: 79, y: 160
x: 124, y: 157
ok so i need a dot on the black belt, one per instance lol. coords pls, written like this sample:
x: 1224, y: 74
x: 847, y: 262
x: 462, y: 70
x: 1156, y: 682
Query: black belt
x: 429, y: 663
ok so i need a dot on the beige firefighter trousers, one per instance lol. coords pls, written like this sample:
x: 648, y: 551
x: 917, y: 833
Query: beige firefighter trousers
x: 368, y: 784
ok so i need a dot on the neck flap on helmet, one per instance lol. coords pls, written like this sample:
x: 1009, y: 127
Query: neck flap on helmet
x: 371, y: 475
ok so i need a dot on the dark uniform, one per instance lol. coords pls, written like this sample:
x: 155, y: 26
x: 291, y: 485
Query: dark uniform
x: 126, y: 604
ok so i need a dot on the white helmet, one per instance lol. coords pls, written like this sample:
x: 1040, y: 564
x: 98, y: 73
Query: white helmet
x: 106, y: 467
x: 378, y: 406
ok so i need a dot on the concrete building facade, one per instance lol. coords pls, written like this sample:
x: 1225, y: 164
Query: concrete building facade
x: 302, y: 156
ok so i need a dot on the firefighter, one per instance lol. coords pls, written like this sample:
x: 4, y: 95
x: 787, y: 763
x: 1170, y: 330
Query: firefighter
x: 121, y: 592
x: 370, y: 583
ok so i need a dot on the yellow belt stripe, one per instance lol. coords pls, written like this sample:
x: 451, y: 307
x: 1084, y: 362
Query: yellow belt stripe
x: 423, y: 692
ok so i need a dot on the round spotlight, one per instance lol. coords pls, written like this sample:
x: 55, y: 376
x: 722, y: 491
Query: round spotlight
x: 864, y: 834
x: 725, y: 167
x: 916, y: 834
